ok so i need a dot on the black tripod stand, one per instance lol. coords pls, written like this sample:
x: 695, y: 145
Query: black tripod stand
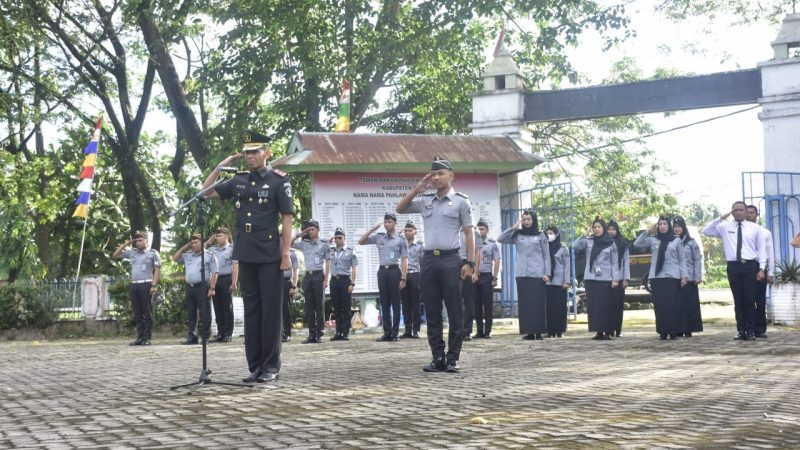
x: 205, y: 372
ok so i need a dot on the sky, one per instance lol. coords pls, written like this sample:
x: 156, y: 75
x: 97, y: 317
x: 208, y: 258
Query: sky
x: 706, y: 160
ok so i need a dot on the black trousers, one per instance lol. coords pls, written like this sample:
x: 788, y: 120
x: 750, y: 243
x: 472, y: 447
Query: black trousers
x: 262, y: 314
x: 760, y: 321
x: 223, y: 306
x: 468, y: 300
x: 287, y: 307
x: 484, y: 304
x: 197, y: 302
x: 389, y: 289
x: 315, y: 303
x: 142, y: 304
x: 410, y: 296
x: 342, y: 302
x: 441, y: 276
x: 742, y: 278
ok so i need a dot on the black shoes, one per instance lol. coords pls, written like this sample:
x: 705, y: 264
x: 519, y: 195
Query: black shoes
x: 761, y: 335
x: 452, y: 367
x: 253, y: 377
x: 618, y: 333
x: 406, y: 335
x: 415, y: 335
x: 436, y: 365
x: 539, y: 336
x: 136, y: 342
x: 340, y: 337
x: 559, y: 335
x: 600, y: 336
x: 532, y: 337
x: 222, y: 339
x: 487, y: 336
x: 687, y: 334
x: 310, y: 340
x: 467, y: 338
x: 387, y: 338
x: 479, y: 336
x: 286, y: 338
x: 189, y: 342
x: 743, y: 336
x: 266, y: 377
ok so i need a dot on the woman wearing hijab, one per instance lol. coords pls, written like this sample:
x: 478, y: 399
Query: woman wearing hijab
x: 532, y: 271
x: 624, y: 266
x: 691, y: 318
x: 599, y: 277
x: 558, y: 285
x: 667, y: 275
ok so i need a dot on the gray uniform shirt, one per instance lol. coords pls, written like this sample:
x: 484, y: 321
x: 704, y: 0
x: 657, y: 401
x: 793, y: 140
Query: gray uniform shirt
x: 143, y: 263
x: 674, y: 259
x: 562, y: 271
x: 625, y: 270
x: 770, y: 253
x: 342, y: 260
x: 224, y: 260
x: 391, y: 247
x: 191, y: 262
x: 462, y: 242
x: 694, y: 260
x: 606, y: 264
x: 314, y: 252
x: 293, y: 258
x: 490, y: 252
x: 533, y: 253
x: 414, y: 256
x: 443, y: 218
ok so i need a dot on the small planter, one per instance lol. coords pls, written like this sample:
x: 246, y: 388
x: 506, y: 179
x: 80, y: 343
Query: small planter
x: 786, y: 304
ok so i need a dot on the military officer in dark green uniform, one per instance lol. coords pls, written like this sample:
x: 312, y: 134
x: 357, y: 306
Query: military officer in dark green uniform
x: 263, y: 199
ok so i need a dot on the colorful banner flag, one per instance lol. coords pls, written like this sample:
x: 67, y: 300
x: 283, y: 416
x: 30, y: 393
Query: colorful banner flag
x: 87, y: 173
x: 343, y: 123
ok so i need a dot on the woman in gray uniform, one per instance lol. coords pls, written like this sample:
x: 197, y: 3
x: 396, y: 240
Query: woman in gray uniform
x: 532, y: 272
x: 624, y: 266
x: 599, y: 278
x: 558, y: 285
x: 667, y: 275
x: 691, y: 318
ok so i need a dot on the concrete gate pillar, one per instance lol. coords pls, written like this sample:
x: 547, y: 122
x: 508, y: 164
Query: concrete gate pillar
x: 498, y: 110
x: 780, y: 116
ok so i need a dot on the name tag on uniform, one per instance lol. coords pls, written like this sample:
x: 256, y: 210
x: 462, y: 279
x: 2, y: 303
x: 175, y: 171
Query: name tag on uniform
x: 316, y: 260
x: 263, y: 194
x: 391, y: 255
x: 598, y: 271
x: 144, y: 267
x: 240, y: 186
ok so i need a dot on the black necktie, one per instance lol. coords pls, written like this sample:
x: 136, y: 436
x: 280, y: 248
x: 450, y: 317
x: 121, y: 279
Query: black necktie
x: 739, y: 242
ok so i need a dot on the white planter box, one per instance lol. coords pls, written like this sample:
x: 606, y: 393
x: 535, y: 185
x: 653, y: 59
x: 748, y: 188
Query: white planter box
x: 786, y: 304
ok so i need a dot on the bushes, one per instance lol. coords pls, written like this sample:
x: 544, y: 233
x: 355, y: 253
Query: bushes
x: 23, y: 306
x: 168, y: 303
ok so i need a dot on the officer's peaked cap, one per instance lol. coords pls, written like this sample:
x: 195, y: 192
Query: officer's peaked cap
x: 482, y: 222
x: 311, y: 223
x: 440, y: 163
x: 389, y: 215
x: 140, y: 234
x: 339, y: 232
x: 410, y: 224
x: 197, y: 236
x: 252, y: 140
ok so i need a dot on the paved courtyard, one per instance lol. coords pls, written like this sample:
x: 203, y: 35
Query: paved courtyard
x: 634, y: 392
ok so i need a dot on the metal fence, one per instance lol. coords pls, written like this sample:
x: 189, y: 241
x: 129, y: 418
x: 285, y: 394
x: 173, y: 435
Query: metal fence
x: 63, y: 296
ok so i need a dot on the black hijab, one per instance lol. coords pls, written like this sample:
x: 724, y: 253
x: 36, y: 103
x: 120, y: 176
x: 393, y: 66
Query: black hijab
x: 622, y: 243
x: 685, y: 237
x: 665, y: 239
x: 600, y: 242
x: 555, y: 245
x: 532, y: 230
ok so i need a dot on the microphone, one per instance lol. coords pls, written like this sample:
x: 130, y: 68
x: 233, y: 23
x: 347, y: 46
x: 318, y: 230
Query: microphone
x: 227, y: 169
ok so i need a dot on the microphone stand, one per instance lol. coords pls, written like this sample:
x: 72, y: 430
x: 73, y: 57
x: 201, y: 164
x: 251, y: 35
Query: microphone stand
x: 205, y: 372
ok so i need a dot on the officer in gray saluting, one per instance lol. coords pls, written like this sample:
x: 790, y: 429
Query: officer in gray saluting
x: 444, y: 213
x: 145, y: 273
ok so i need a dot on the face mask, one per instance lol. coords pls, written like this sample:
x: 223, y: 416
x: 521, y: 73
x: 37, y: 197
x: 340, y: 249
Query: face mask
x: 551, y: 237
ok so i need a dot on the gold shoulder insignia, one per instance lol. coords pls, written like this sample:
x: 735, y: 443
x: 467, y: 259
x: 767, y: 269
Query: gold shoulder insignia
x: 279, y: 172
x: 243, y: 172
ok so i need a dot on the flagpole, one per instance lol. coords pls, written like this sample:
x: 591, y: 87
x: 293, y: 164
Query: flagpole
x: 80, y: 259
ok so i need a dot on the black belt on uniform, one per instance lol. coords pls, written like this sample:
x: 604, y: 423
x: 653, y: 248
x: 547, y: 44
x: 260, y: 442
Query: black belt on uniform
x: 191, y: 285
x: 388, y: 266
x: 340, y: 277
x: 227, y: 275
x: 313, y: 272
x: 249, y: 228
x: 743, y: 261
x: 451, y: 251
x: 484, y: 274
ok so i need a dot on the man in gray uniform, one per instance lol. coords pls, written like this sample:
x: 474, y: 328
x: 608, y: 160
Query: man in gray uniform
x: 485, y: 281
x: 318, y: 264
x: 145, y: 273
x: 344, y: 265
x: 393, y: 260
x: 444, y: 213
x: 468, y: 285
x: 199, y: 287
x: 227, y: 279
x: 289, y: 288
x: 262, y: 197
x: 410, y: 293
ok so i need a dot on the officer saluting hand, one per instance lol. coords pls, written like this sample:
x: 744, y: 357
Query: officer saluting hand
x: 261, y: 195
x: 444, y: 213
